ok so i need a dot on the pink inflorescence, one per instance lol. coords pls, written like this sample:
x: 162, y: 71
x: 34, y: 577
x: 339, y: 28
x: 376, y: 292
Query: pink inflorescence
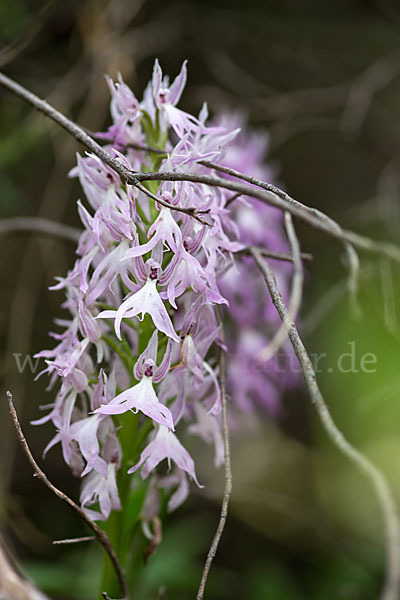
x: 143, y: 297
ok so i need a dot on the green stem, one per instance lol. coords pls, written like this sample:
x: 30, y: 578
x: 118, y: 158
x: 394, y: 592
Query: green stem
x: 122, y: 527
x: 118, y: 348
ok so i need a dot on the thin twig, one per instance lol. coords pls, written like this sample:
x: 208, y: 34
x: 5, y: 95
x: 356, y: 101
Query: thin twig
x: 228, y: 477
x: 192, y: 212
x: 143, y: 148
x: 391, y: 589
x: 99, y: 533
x: 273, y: 196
x: 353, y: 278
x: 277, y: 255
x: 39, y: 225
x: 269, y: 194
x: 333, y: 227
x: 296, y: 292
x: 86, y: 538
x: 77, y: 132
x: 86, y: 140
x: 232, y: 199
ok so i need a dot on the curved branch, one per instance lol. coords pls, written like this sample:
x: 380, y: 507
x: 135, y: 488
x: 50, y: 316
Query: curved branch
x: 296, y: 292
x: 276, y: 197
x: 391, y: 590
x: 99, y: 533
x: 77, y: 132
x: 84, y: 138
x: 228, y: 478
x: 283, y: 256
x: 269, y: 194
x: 192, y: 212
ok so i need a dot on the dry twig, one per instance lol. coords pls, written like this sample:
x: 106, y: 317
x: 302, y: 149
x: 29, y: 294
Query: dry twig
x: 86, y: 140
x: 296, y: 292
x: 86, y: 538
x: 391, y: 590
x: 278, y: 255
x: 275, y: 197
x: 99, y: 533
x: 228, y: 478
x: 269, y: 194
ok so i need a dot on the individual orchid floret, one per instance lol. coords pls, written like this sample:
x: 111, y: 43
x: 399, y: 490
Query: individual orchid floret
x: 145, y: 301
x: 146, y: 363
x: 142, y: 395
x: 199, y: 331
x: 162, y: 93
x: 104, y: 390
x: 88, y: 325
x: 165, y: 230
x: 178, y: 480
x: 85, y: 433
x: 61, y: 416
x: 114, y: 220
x: 190, y: 358
x: 125, y: 112
x: 95, y: 178
x: 78, y: 276
x: 190, y: 274
x: 167, y: 97
x: 209, y: 429
x: 165, y: 445
x: 106, y: 272
x: 103, y: 490
x: 139, y: 397
x: 123, y: 101
x: 71, y: 366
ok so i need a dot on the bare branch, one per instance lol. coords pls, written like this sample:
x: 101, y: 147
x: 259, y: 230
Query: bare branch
x: 192, y: 212
x: 87, y: 538
x: 273, y: 196
x: 228, y: 477
x: 232, y: 199
x: 353, y: 278
x: 353, y: 262
x: 269, y: 194
x: 277, y: 255
x: 77, y: 132
x: 39, y: 225
x: 296, y: 293
x: 99, y: 533
x: 86, y: 140
x: 143, y: 148
x: 391, y: 590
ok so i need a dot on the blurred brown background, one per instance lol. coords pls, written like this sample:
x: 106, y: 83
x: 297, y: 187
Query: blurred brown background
x: 323, y: 77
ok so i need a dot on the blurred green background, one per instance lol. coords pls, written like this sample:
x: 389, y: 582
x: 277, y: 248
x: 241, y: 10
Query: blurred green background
x: 323, y: 77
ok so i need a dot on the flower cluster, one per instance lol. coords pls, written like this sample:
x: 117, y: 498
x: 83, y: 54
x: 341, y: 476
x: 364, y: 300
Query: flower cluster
x: 137, y: 360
